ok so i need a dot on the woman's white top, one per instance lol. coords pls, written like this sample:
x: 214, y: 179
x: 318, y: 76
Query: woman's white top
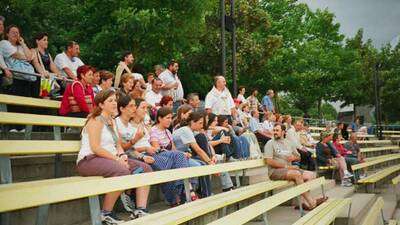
x: 106, y: 142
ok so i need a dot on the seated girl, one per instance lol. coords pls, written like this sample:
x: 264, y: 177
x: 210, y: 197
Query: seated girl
x: 160, y: 157
x: 101, y: 154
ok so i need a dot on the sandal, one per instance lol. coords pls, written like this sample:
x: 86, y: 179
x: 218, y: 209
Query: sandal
x: 321, y: 200
x: 305, y: 207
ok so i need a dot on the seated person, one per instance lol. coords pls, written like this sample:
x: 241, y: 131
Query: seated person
x: 101, y: 154
x: 293, y: 136
x: 347, y: 154
x: 268, y: 123
x: 105, y: 81
x: 182, y: 116
x: 240, y: 145
x: 161, y: 139
x: 43, y: 61
x: 256, y: 127
x: 306, y: 138
x: 68, y: 61
x: 153, y: 96
x: 244, y: 115
x: 17, y: 56
x: 279, y: 155
x: 78, y: 97
x: 327, y: 155
x: 126, y: 84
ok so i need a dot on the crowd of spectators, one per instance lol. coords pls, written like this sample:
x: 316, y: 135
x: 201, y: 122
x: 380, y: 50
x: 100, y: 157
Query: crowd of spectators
x: 134, y: 126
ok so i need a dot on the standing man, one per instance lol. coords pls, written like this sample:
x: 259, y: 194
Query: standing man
x: 172, y: 84
x: 267, y: 103
x: 153, y: 97
x: 253, y: 100
x: 219, y: 100
x: 68, y: 61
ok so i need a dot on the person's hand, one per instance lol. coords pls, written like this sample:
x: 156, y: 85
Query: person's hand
x: 8, y: 73
x: 330, y: 161
x: 151, y: 150
x: 211, y: 162
x: 291, y: 158
x: 225, y: 140
x: 214, y: 159
x: 124, y: 157
x: 21, y: 41
x: 188, y: 155
x: 123, y: 162
x: 148, y: 159
x: 139, y: 134
x: 175, y: 86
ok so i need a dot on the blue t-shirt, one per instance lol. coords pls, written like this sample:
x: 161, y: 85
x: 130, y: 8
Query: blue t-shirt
x: 267, y: 103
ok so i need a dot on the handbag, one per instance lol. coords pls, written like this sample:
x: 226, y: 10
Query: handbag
x: 73, y: 104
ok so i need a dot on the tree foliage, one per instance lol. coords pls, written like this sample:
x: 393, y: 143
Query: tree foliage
x: 281, y: 44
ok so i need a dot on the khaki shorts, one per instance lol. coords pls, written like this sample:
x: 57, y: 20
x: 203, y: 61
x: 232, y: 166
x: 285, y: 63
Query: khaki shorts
x: 280, y: 174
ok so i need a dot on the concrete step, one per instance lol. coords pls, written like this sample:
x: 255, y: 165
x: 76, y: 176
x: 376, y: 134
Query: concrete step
x: 360, y: 204
x: 389, y: 197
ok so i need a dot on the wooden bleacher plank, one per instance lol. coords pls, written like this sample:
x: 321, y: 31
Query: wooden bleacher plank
x: 246, y: 214
x: 317, y: 128
x: 379, y: 175
x: 396, y: 180
x: 39, y: 183
x: 324, y: 214
x: 374, y: 142
x: 186, y: 212
x: 391, y: 131
x: 22, y: 147
x: 377, y: 161
x: 365, y: 136
x: 374, y: 212
x: 376, y: 149
x: 48, y: 194
x: 392, y: 222
x: 40, y: 120
x: 26, y: 101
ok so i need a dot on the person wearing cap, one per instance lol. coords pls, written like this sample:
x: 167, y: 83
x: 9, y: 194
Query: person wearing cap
x: 327, y: 155
x: 279, y: 154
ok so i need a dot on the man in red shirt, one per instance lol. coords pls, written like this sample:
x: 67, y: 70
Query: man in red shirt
x: 78, y: 99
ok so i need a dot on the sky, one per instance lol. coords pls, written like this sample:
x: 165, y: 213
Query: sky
x: 380, y: 19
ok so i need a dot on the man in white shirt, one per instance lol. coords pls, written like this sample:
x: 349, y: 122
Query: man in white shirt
x: 219, y: 100
x: 68, y: 62
x: 293, y: 136
x: 153, y: 97
x: 172, y: 84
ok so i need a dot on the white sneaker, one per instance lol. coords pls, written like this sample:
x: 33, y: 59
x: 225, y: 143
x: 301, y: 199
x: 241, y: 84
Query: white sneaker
x: 137, y: 213
x: 346, y: 183
x: 111, y: 219
x: 362, y: 176
x: 347, y: 175
x: 127, y: 202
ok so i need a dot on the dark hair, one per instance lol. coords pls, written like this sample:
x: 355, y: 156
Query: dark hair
x: 221, y: 119
x: 40, y: 36
x: 211, y: 118
x: 105, y: 75
x: 335, y: 136
x: 10, y: 27
x: 82, y: 70
x: 150, y: 74
x: 163, y: 112
x: 93, y: 69
x: 165, y: 99
x: 123, y: 101
x: 70, y: 44
x: 195, y: 116
x: 100, y: 98
x: 241, y: 87
x: 138, y: 101
x: 172, y: 62
x: 2, y: 18
x: 181, y: 110
x: 254, y: 89
x: 126, y: 54
x: 283, y: 127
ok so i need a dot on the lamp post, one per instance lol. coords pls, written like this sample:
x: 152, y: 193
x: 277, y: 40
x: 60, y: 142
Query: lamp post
x: 378, y: 115
x: 223, y: 50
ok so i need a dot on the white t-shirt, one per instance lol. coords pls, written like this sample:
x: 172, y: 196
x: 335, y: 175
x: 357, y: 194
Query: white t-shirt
x: 126, y: 132
x: 219, y: 102
x: 168, y: 78
x: 267, y: 125
x: 241, y: 98
x: 62, y: 61
x: 153, y: 98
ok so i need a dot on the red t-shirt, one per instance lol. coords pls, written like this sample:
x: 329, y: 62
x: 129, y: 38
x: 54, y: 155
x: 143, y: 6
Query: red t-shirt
x: 79, y: 93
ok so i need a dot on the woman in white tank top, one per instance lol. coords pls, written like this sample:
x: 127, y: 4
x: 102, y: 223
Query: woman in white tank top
x: 101, y: 154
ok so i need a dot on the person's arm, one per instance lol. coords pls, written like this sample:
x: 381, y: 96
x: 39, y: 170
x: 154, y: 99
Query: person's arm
x: 321, y: 155
x: 4, y: 67
x: 200, y: 152
x: 79, y: 95
x: 53, y: 68
x: 38, y: 66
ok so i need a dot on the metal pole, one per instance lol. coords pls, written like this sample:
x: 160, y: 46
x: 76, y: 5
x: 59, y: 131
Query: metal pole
x: 377, y: 102
x: 223, y: 50
x: 234, y: 70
